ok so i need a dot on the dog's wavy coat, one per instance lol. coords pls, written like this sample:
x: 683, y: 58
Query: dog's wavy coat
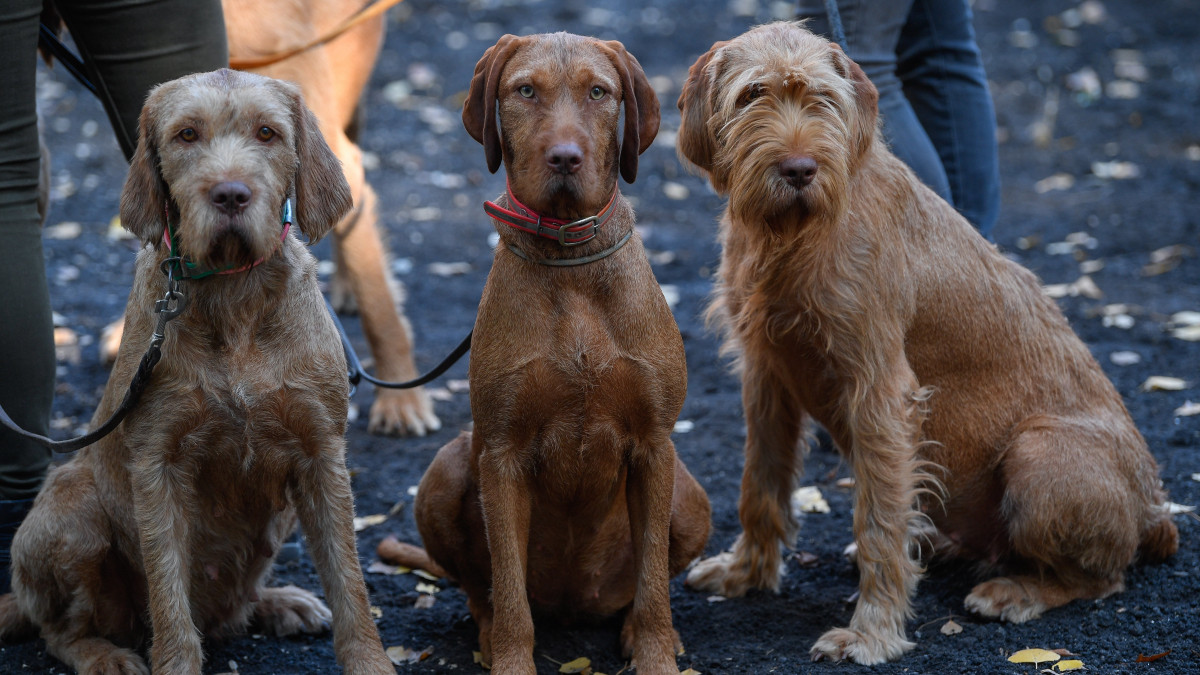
x: 167, y: 528
x: 851, y: 294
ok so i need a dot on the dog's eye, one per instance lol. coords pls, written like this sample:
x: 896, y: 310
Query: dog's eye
x: 751, y: 93
x: 188, y: 135
x: 598, y: 93
x: 265, y: 134
x: 526, y: 91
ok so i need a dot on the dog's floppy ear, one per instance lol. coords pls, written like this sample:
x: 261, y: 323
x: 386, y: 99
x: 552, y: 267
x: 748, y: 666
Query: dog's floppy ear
x: 641, y: 108
x: 479, y: 110
x: 144, y: 196
x: 866, y: 97
x: 322, y: 194
x: 696, y: 144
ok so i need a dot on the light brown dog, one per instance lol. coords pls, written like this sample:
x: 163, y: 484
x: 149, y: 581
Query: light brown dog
x: 177, y: 515
x: 568, y: 496
x: 854, y: 296
x: 332, y: 77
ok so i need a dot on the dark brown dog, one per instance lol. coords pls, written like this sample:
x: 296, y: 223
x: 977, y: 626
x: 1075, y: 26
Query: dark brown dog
x: 854, y: 296
x: 166, y: 529
x: 568, y: 496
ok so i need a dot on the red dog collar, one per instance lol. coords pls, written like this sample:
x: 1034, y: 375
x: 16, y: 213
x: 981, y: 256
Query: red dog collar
x: 567, y: 233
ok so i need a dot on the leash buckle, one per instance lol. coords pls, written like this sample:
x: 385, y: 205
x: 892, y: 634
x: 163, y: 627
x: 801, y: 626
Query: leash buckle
x: 590, y: 221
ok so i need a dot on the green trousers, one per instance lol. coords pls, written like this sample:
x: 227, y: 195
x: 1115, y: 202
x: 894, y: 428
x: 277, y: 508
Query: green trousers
x: 128, y: 46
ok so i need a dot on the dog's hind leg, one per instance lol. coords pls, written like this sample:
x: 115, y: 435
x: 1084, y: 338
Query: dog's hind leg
x: 1074, y: 503
x: 774, y: 424
x: 288, y: 610
x: 96, y: 656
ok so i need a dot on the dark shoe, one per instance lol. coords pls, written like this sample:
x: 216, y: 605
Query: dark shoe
x: 12, y: 513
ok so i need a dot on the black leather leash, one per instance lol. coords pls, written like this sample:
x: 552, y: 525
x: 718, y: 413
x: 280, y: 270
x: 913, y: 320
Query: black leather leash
x: 168, y: 308
x: 356, y: 373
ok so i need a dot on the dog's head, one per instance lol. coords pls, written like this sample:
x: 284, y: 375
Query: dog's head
x: 559, y: 98
x: 779, y: 119
x: 220, y: 152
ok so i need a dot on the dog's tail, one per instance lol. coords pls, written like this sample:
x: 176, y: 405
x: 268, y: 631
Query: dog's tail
x: 396, y: 552
x: 1161, y: 540
x: 14, y: 625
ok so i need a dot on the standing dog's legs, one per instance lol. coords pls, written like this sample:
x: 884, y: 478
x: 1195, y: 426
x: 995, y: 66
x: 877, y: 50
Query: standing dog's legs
x: 506, y: 511
x: 774, y: 424
x: 326, y: 513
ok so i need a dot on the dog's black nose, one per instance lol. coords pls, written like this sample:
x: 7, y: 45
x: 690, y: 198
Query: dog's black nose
x: 798, y: 170
x: 565, y: 158
x: 230, y: 196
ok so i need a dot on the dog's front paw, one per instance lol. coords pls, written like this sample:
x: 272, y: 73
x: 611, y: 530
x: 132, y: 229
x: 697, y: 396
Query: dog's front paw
x: 290, y: 610
x: 407, y: 412
x: 116, y: 662
x: 732, y: 573
x: 1007, y: 599
x: 840, y: 644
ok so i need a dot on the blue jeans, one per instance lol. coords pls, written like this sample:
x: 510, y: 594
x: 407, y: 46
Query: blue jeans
x: 934, y: 101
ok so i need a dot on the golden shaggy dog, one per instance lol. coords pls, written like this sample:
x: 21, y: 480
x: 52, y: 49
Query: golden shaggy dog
x: 167, y: 528
x: 852, y: 295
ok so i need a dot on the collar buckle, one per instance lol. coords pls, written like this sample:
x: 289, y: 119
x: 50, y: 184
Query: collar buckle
x: 591, y: 222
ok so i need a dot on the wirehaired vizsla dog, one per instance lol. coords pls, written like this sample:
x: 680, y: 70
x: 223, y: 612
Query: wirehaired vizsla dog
x: 166, y: 529
x: 332, y: 77
x: 568, y: 497
x: 854, y: 296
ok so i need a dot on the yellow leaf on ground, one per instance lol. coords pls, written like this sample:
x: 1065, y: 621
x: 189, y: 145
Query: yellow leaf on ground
x: 576, y: 666
x: 690, y: 671
x: 1034, y: 656
x: 1187, y: 409
x: 376, y: 612
x: 1070, y: 664
x: 400, y: 655
x: 427, y: 588
x: 951, y: 628
x: 809, y: 500
x: 426, y: 575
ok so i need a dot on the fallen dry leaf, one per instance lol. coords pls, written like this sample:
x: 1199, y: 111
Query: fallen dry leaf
x: 1034, y: 656
x: 806, y: 559
x: 1162, y: 383
x: 424, y: 602
x: 1125, y: 358
x: 426, y: 575
x: 376, y: 612
x: 449, y: 269
x: 1187, y: 409
x: 1185, y: 319
x: 396, y: 508
x: 379, y: 567
x: 1142, y: 658
x: 1173, y: 508
x: 364, y: 522
x: 1063, y: 652
x: 402, y: 656
x: 427, y: 588
x: 579, y: 665
x: 1082, y: 286
x: 951, y: 628
x: 1069, y: 664
x: 1189, y: 333
x: 847, y: 482
x: 684, y: 426
x: 1196, y: 477
x: 62, y: 231
x: 676, y: 191
x: 809, y: 500
x: 690, y: 671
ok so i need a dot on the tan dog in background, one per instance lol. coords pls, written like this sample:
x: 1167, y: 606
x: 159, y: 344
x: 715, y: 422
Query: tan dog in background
x: 853, y: 295
x: 177, y: 515
x: 568, y: 496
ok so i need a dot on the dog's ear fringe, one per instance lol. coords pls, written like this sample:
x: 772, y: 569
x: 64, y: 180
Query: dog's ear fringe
x: 479, y: 109
x: 322, y: 194
x: 866, y: 96
x: 144, y: 195
x: 642, y: 116
x: 696, y: 143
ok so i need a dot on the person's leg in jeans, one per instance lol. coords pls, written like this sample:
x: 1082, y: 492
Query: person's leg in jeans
x: 26, y: 331
x: 873, y: 29
x: 130, y: 45
x: 939, y: 64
